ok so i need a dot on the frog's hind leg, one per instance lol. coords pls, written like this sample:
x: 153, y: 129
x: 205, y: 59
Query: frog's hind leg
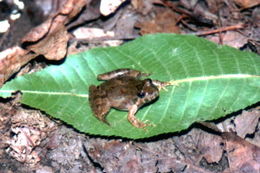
x: 133, y: 120
x: 98, y: 103
x: 122, y: 72
x: 101, y: 111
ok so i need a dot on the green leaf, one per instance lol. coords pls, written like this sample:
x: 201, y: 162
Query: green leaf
x: 213, y: 81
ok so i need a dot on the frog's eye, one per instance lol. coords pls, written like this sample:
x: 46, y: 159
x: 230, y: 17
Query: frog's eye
x: 141, y: 94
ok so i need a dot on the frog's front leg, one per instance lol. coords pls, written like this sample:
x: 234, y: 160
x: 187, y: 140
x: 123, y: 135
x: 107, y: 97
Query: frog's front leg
x: 161, y: 85
x: 133, y: 120
x: 121, y: 72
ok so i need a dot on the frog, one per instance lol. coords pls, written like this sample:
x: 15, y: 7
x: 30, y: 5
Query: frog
x: 123, y: 89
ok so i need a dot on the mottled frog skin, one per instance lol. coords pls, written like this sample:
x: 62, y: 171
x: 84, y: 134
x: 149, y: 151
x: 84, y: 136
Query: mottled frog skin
x: 124, y: 90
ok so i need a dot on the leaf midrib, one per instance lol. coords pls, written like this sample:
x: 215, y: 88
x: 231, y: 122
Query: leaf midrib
x: 172, y: 82
x: 212, y: 77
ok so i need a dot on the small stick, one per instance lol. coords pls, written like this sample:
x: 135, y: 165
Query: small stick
x: 222, y: 29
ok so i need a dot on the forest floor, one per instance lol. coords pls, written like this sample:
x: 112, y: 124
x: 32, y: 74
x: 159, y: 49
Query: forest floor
x: 31, y: 141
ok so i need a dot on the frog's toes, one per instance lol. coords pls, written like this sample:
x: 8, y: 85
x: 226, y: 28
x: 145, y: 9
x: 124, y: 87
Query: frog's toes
x: 163, y: 86
x: 136, y: 123
x: 149, y: 123
x: 102, y: 117
x: 105, y: 121
x: 174, y: 83
x: 139, y: 124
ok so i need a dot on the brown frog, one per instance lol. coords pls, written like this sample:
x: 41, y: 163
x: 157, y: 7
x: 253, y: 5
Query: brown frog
x: 124, y: 90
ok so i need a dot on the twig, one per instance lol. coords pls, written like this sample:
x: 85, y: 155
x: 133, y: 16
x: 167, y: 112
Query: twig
x: 222, y: 29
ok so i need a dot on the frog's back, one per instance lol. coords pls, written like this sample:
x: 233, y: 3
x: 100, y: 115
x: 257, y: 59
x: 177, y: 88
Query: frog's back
x: 122, y: 91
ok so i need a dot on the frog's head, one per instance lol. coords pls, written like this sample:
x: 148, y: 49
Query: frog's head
x: 148, y: 92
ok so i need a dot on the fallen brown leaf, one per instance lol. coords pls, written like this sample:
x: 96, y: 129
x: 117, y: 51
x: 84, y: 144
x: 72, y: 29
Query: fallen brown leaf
x: 48, y: 39
x: 122, y: 24
x: 29, y: 128
x: 164, y: 21
x: 242, y: 156
x: 247, y: 3
x: 231, y: 38
x: 53, y: 46
x: 51, y: 37
x: 144, y: 6
x: 11, y: 60
x: 246, y: 123
x: 210, y: 146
